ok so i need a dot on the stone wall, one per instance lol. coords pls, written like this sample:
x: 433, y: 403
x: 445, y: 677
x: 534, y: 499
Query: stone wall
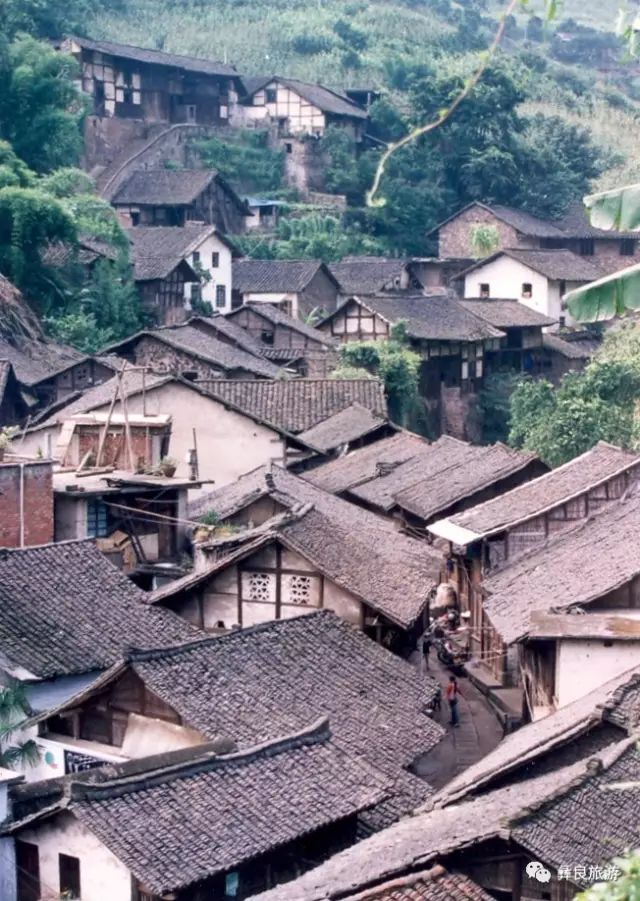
x: 454, y: 238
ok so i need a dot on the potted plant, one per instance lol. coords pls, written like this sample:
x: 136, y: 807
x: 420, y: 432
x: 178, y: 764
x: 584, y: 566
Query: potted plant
x: 168, y: 467
x: 7, y: 434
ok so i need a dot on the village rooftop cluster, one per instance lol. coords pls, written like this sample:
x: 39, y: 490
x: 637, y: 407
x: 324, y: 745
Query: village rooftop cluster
x: 218, y: 562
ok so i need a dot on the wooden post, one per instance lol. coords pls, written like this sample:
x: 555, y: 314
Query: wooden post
x: 103, y: 436
x: 127, y: 429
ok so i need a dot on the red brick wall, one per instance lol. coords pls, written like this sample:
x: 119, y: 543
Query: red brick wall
x: 37, y: 504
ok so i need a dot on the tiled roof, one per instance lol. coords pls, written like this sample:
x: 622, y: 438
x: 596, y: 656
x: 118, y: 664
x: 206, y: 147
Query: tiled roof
x: 339, y: 538
x: 64, y: 608
x: 348, y: 425
x: 617, y: 701
x: 435, y: 884
x: 277, y: 316
x: 557, y: 265
x: 273, y: 276
x: 214, y: 813
x: 575, y: 224
x: 551, y: 490
x: 506, y: 313
x: 367, y: 275
x: 164, y: 187
x: 549, y: 815
x: 570, y: 570
x: 157, y: 57
x: 133, y: 382
x: 363, y: 464
x: 298, y: 404
x: 518, y: 219
x: 226, y: 328
x: 580, y: 349
x: 439, y: 476
x: 157, y: 251
x: 34, y: 361
x: 192, y: 340
x: 301, y: 668
x: 591, y: 821
x: 323, y: 98
x: 436, y: 317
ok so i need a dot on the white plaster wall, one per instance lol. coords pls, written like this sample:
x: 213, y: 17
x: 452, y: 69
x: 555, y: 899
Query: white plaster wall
x: 51, y: 764
x: 342, y: 603
x: 219, y: 276
x: 229, y: 444
x: 36, y: 443
x: 102, y: 876
x: 581, y: 666
x: 505, y: 278
x: 302, y: 116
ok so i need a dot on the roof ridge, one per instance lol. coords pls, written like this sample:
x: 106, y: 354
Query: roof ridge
x: 204, y: 760
x: 143, y: 655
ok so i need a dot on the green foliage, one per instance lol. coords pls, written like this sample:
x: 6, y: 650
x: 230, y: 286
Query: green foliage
x: 40, y: 108
x: 627, y: 885
x: 598, y: 404
x: 14, y: 709
x: 29, y: 220
x: 104, y: 310
x: 14, y: 173
x: 93, y: 216
x: 484, y: 239
x: 321, y: 237
x: 395, y: 364
x: 246, y: 160
x: 494, y: 405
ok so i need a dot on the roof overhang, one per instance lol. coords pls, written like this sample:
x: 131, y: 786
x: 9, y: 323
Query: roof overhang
x: 457, y: 535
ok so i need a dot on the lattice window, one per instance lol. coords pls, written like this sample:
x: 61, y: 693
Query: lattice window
x: 300, y: 590
x: 258, y: 587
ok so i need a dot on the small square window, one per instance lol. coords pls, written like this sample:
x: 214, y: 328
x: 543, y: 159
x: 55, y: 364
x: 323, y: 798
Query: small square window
x: 221, y: 296
x: 627, y: 247
x: 215, y: 260
x: 527, y: 290
x: 196, y: 257
x: 485, y: 289
x: 270, y: 95
x: 288, y: 147
x: 586, y: 247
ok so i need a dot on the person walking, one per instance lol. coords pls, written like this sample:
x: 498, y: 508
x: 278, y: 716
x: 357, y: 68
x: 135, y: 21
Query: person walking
x: 453, y: 692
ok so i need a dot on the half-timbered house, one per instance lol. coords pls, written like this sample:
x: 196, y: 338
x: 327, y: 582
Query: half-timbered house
x: 302, y: 549
x: 451, y: 341
x: 495, y: 533
x: 176, y: 197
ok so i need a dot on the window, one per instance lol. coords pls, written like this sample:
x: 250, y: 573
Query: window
x: 97, y: 519
x: 215, y: 259
x: 28, y: 867
x: 196, y: 257
x: 270, y: 95
x: 562, y: 287
x: 135, y: 219
x: 562, y: 321
x: 485, y: 290
x: 224, y: 111
x: 69, y: 876
x: 267, y: 337
x: 221, y: 295
x: 585, y: 247
x: 527, y: 290
x: 288, y: 147
x: 627, y: 247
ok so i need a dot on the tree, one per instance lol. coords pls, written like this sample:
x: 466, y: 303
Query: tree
x: 103, y: 310
x: 14, y: 709
x: 560, y: 423
x: 626, y: 887
x: 40, y: 109
x: 45, y: 18
x: 396, y: 364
